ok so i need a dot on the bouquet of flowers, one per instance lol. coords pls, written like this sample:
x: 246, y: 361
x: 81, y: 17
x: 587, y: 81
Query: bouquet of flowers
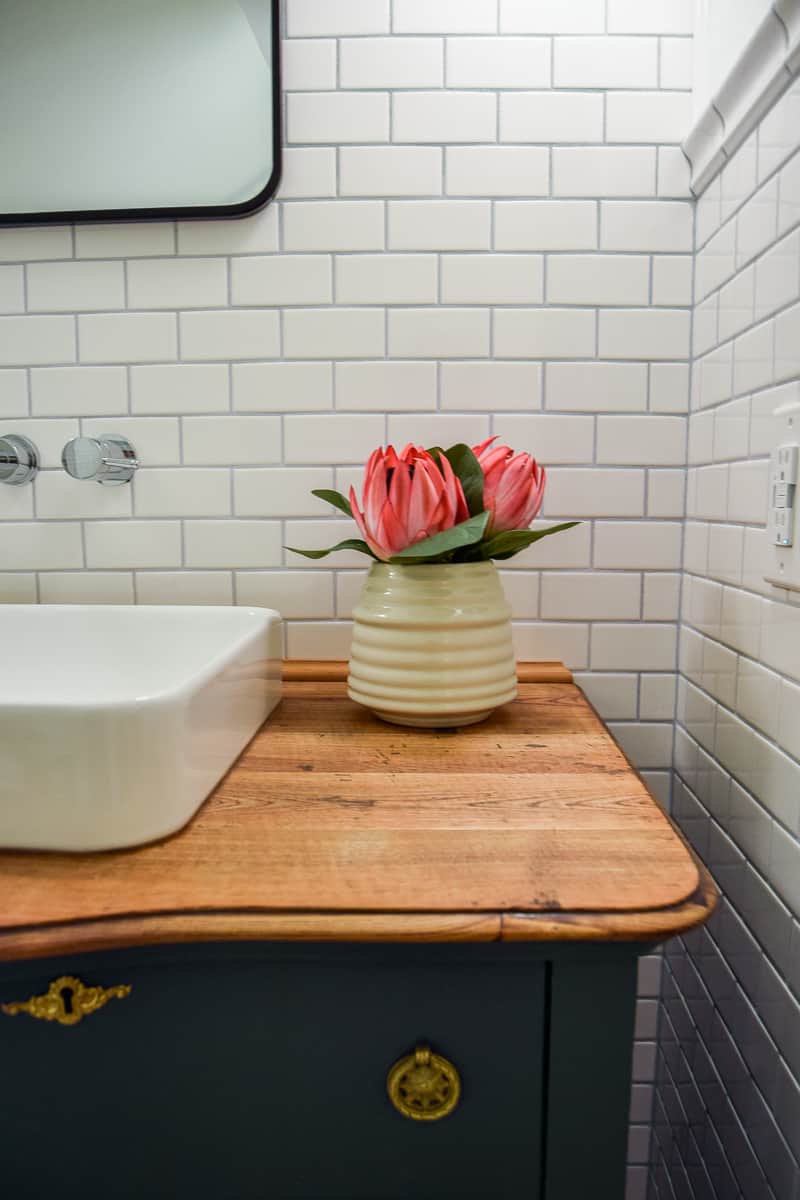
x: 465, y: 504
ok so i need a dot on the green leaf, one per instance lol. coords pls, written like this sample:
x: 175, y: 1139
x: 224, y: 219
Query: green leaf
x: 465, y: 534
x: 347, y: 544
x: 509, y: 543
x: 334, y: 498
x: 468, y: 470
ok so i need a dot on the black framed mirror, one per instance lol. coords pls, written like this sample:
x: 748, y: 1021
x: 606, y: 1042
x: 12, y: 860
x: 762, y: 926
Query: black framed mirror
x: 137, y: 109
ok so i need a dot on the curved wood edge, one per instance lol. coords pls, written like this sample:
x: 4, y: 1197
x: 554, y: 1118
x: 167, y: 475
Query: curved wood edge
x: 655, y: 925
x: 297, y: 670
x: 118, y: 933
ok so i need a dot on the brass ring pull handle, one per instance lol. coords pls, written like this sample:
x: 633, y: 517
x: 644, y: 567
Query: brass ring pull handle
x: 424, y: 1086
x: 67, y: 1001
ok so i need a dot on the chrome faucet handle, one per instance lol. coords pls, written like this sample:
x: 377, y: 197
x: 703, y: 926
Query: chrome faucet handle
x: 19, y: 459
x: 107, y: 459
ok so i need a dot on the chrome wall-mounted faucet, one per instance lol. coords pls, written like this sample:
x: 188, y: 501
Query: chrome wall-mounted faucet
x: 107, y: 459
x: 19, y: 459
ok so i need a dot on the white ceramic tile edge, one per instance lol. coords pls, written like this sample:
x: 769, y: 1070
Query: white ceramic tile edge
x: 765, y: 68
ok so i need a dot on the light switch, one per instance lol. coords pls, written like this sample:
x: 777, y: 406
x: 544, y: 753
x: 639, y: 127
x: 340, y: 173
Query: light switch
x: 783, y: 533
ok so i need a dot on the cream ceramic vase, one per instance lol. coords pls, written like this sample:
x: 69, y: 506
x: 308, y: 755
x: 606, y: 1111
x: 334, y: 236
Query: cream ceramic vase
x: 432, y: 644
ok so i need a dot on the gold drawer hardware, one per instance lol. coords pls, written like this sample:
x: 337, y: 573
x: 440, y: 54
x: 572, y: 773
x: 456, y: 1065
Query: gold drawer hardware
x: 424, y: 1086
x: 67, y: 1001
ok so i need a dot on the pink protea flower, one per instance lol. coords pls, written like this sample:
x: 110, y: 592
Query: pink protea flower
x: 406, y: 498
x: 513, y: 487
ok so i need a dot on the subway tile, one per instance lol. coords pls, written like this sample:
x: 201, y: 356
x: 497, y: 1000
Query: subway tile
x: 232, y: 543
x: 598, y: 279
x: 604, y: 171
x: 386, y: 279
x: 492, y: 279
x: 326, y: 225
x: 319, y: 535
x: 673, y: 174
x: 546, y: 225
x: 295, y: 594
x: 337, y: 332
x: 178, y: 388
x: 29, y: 243
x: 33, y: 340
x: 228, y: 333
x: 308, y: 64
x: 657, y: 16
x: 40, y: 545
x: 437, y: 429
x: 308, y: 171
x: 188, y: 587
x: 392, y: 62
x: 665, y: 493
x: 497, y: 171
x: 78, y: 391
x: 17, y: 587
x: 49, y: 436
x: 552, y: 16
x: 644, y: 333
x: 789, y: 195
x: 595, y: 596
x: 335, y: 18
x: 13, y: 393
x: 326, y: 438
x: 498, y: 62
x: 736, y: 305
x: 756, y: 223
x: 597, y: 386
x: 58, y: 496
x: 282, y: 386
x: 127, y: 337
x: 75, y: 286
x: 177, y: 283
x: 491, y: 386
x: 614, y: 695
x: 757, y: 696
x: 570, y: 549
x: 280, y: 279
x: 123, y: 240
x: 638, y: 545
x: 551, y: 438
x: 256, y: 234
x: 657, y: 697
x: 279, y: 491
x: 127, y: 544
x: 231, y: 440
x: 668, y: 387
x: 387, y: 386
x: 337, y: 117
x: 677, y: 62
x: 648, y: 116
x: 551, y: 117
x: 188, y: 492
x: 445, y: 16
x: 594, y: 492
x: 605, y: 62
x: 390, y: 170
x: 646, y: 440
x: 747, y: 492
x: 439, y: 333
x: 439, y: 225
x: 661, y: 597
x: 86, y: 587
x: 787, y: 341
x: 658, y: 225
x: 567, y: 642
x: 544, y: 333
x: 672, y: 279
x: 640, y: 647
x: 646, y: 744
x: 777, y: 277
x: 451, y: 116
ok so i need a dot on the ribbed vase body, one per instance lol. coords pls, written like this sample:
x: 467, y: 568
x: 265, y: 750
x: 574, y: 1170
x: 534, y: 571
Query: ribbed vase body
x: 432, y: 644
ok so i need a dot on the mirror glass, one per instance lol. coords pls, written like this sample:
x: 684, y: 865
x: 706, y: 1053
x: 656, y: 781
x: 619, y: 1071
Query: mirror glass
x: 118, y: 109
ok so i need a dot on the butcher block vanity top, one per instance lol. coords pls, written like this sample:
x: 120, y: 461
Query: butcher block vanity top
x: 333, y: 826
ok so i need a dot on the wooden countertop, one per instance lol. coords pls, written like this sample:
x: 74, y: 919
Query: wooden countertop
x: 335, y: 826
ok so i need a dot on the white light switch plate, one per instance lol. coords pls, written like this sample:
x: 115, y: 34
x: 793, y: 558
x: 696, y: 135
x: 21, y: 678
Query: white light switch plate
x: 783, y: 529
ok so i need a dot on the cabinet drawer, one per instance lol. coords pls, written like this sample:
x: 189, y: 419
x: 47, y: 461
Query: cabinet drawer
x: 260, y: 1071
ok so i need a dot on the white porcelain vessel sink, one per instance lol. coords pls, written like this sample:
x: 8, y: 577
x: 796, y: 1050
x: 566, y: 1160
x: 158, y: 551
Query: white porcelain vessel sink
x: 117, y: 721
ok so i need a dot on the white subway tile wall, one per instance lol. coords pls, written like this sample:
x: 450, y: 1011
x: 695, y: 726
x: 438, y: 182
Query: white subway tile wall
x: 726, y: 1120
x: 484, y: 227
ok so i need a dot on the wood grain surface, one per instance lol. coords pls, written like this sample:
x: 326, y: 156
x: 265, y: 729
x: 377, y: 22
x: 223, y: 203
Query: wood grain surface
x: 335, y: 826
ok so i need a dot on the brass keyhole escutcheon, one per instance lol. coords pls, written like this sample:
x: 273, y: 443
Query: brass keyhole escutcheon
x: 423, y: 1086
x: 67, y: 1001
